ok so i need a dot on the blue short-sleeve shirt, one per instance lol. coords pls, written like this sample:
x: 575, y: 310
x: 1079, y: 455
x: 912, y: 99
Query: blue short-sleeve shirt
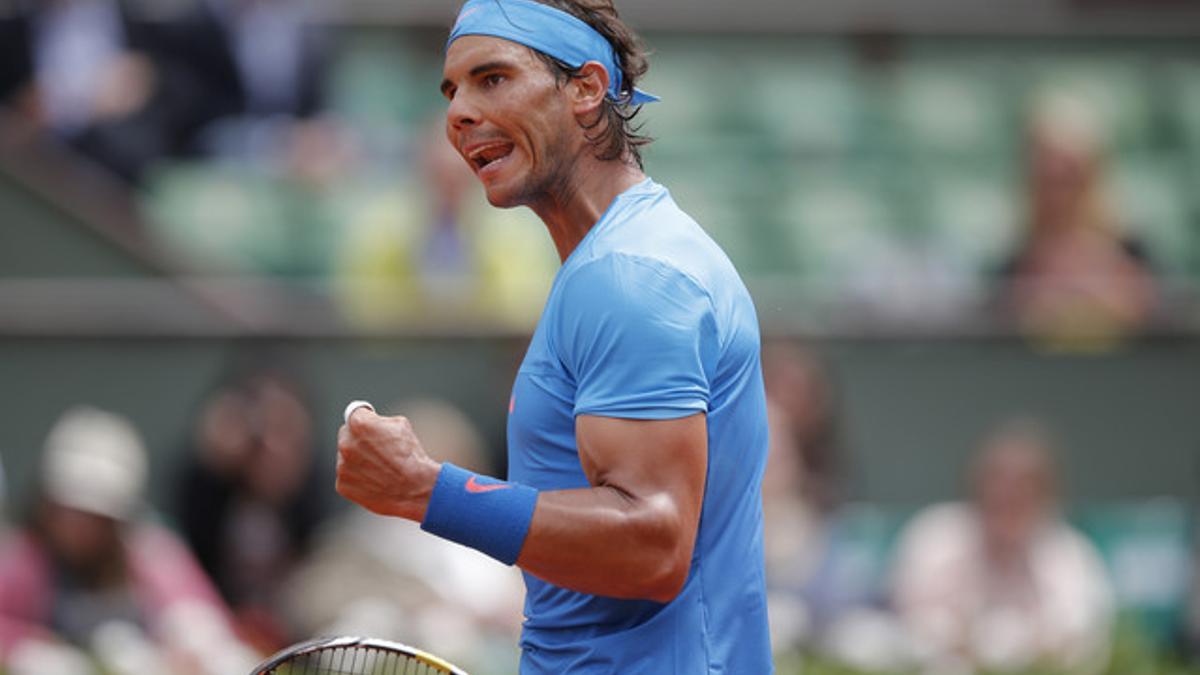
x: 647, y: 319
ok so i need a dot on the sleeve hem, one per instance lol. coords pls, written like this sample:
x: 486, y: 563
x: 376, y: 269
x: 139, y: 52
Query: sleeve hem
x: 655, y: 413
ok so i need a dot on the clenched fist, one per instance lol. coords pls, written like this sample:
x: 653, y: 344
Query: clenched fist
x: 382, y: 467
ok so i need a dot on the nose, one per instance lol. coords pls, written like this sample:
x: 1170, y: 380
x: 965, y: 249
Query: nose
x: 462, y: 113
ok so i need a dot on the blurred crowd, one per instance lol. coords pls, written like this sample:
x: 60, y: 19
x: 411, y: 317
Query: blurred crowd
x: 999, y: 581
x: 255, y: 156
x: 127, y: 83
x: 249, y: 553
x: 247, y: 557
x: 142, y: 90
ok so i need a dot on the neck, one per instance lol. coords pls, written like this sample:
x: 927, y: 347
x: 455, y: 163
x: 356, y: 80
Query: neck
x: 574, y: 207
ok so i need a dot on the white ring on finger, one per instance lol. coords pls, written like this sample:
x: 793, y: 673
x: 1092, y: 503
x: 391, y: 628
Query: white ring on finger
x: 355, y: 405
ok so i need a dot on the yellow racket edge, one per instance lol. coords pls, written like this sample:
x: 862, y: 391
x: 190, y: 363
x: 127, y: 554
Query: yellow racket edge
x: 418, y: 654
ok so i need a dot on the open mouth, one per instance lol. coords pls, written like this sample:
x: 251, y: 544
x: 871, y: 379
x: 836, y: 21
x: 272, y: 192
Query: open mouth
x: 489, y: 154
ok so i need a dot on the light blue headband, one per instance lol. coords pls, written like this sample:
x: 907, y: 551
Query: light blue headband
x: 547, y: 30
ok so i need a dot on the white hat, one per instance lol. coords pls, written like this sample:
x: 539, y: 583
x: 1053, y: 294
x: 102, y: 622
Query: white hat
x: 94, y: 461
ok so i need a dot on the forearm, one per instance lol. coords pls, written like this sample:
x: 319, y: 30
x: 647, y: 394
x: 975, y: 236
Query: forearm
x: 630, y: 535
x: 603, y: 541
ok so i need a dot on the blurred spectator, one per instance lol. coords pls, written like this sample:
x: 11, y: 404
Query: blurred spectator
x: 276, y: 52
x: 266, y: 61
x: 1003, y: 583
x: 823, y: 585
x: 381, y: 576
x: 89, y: 573
x: 103, y: 77
x: 798, y: 494
x: 441, y: 248
x: 249, y: 499
x: 1078, y: 278
x: 801, y: 394
x: 277, y: 55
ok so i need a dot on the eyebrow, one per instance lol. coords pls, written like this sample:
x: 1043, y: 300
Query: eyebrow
x: 478, y: 70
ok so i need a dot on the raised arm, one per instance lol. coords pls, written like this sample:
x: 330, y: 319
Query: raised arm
x: 629, y: 535
x: 638, y: 341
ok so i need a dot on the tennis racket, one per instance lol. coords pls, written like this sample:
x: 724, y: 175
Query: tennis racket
x: 354, y: 656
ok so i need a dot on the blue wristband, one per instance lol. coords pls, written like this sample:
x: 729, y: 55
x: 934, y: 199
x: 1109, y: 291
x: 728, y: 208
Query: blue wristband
x: 486, y: 514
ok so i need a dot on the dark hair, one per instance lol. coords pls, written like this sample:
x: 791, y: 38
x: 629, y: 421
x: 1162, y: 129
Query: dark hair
x: 614, y: 133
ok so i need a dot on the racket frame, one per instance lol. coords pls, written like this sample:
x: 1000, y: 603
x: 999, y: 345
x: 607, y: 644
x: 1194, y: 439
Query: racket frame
x: 349, y: 642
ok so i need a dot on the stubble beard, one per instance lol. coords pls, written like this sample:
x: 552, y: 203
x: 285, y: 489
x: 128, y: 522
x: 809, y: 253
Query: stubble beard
x: 555, y: 182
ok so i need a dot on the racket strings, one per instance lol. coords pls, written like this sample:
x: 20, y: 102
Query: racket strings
x: 354, y: 661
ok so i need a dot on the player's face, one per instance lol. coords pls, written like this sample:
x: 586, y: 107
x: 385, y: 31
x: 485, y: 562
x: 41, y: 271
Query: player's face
x: 508, y: 119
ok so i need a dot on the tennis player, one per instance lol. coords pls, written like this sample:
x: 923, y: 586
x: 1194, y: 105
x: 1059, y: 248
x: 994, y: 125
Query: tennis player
x: 637, y: 426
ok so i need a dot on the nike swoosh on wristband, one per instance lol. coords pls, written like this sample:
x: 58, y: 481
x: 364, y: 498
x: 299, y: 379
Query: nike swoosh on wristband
x: 474, y: 487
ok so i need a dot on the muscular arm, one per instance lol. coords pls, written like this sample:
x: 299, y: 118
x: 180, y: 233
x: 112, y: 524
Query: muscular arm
x: 629, y: 535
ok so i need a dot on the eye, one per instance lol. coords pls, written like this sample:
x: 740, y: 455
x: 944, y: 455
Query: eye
x: 492, y: 79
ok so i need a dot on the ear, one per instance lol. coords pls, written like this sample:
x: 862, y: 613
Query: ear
x: 589, y: 88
